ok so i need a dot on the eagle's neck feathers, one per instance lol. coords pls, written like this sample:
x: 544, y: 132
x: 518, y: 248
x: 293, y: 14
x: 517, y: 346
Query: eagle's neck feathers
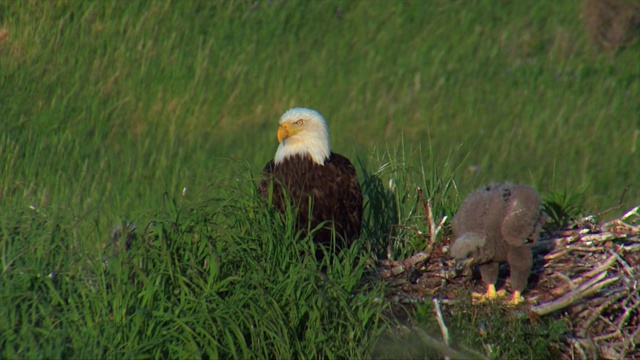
x: 314, y: 144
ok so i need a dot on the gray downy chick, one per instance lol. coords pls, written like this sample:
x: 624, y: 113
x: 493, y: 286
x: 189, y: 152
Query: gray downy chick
x: 497, y: 224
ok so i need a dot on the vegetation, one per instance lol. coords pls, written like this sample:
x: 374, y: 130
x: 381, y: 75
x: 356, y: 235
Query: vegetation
x: 159, y: 115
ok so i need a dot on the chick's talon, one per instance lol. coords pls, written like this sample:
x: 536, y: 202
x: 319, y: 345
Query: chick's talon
x: 477, y: 298
x: 491, y: 294
x: 517, y: 298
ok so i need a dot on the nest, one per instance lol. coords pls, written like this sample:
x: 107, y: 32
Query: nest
x: 588, y: 275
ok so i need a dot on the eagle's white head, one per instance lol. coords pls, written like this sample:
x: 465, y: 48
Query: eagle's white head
x: 303, y: 132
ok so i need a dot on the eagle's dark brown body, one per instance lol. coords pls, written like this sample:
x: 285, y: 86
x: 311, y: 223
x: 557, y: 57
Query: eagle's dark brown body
x: 334, y: 190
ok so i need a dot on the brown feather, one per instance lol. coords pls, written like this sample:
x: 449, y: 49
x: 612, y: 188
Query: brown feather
x: 333, y: 188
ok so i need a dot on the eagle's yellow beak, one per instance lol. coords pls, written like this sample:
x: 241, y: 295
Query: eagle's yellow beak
x: 285, y: 130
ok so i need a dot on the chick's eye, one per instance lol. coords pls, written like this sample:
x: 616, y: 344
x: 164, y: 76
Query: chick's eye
x: 299, y: 122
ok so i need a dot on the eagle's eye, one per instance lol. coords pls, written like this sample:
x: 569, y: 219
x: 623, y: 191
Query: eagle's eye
x: 299, y: 122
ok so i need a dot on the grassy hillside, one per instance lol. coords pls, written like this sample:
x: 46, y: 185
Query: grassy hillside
x: 129, y: 100
x: 109, y: 110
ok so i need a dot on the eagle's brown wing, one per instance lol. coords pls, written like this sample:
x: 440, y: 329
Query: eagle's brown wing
x: 332, y: 190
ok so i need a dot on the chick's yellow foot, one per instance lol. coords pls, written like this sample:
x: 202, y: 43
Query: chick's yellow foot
x: 517, y: 298
x: 491, y: 294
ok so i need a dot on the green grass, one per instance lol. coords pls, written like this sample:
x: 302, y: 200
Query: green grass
x: 216, y: 279
x: 491, y: 330
x: 109, y: 110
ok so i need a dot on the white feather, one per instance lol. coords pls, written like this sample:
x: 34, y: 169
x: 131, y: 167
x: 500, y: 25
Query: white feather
x: 312, y: 141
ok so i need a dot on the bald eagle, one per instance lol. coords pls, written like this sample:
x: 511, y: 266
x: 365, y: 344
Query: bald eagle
x: 307, y: 173
x: 498, y: 224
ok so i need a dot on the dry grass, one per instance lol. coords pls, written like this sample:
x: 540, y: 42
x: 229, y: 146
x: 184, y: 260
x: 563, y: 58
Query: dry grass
x: 612, y: 24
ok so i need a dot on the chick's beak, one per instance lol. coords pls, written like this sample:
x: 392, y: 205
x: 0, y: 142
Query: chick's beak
x: 461, y: 264
x: 283, y: 132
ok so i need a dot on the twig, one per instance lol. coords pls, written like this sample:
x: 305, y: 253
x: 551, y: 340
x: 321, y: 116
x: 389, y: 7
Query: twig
x: 441, y: 224
x: 406, y: 264
x: 449, y: 301
x: 427, y: 209
x: 560, y: 290
x: 555, y: 255
x: 576, y: 345
x: 443, y: 326
x: 432, y: 227
x: 409, y: 299
x: 586, y: 289
x: 609, y: 336
x: 615, y: 207
x: 630, y: 213
x: 603, y: 267
x: 584, y: 248
x: 628, y: 311
x: 632, y: 248
x: 595, y: 314
x: 632, y: 340
x: 624, y: 264
x: 599, y: 238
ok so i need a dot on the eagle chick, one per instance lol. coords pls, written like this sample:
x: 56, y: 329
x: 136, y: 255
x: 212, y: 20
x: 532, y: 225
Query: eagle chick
x: 498, y: 224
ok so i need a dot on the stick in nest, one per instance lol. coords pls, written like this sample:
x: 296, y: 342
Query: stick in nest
x: 423, y: 255
x: 443, y: 326
x: 407, y: 263
x: 427, y: 209
x: 581, y: 292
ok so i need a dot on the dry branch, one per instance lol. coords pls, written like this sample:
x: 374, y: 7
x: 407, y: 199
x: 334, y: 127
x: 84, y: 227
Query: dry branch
x: 393, y: 268
x: 597, y: 267
x: 408, y: 263
x: 441, y: 323
x: 427, y: 210
x: 580, y: 293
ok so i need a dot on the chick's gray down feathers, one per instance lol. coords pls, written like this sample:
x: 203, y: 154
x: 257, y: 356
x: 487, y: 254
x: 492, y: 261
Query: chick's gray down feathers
x: 497, y: 224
